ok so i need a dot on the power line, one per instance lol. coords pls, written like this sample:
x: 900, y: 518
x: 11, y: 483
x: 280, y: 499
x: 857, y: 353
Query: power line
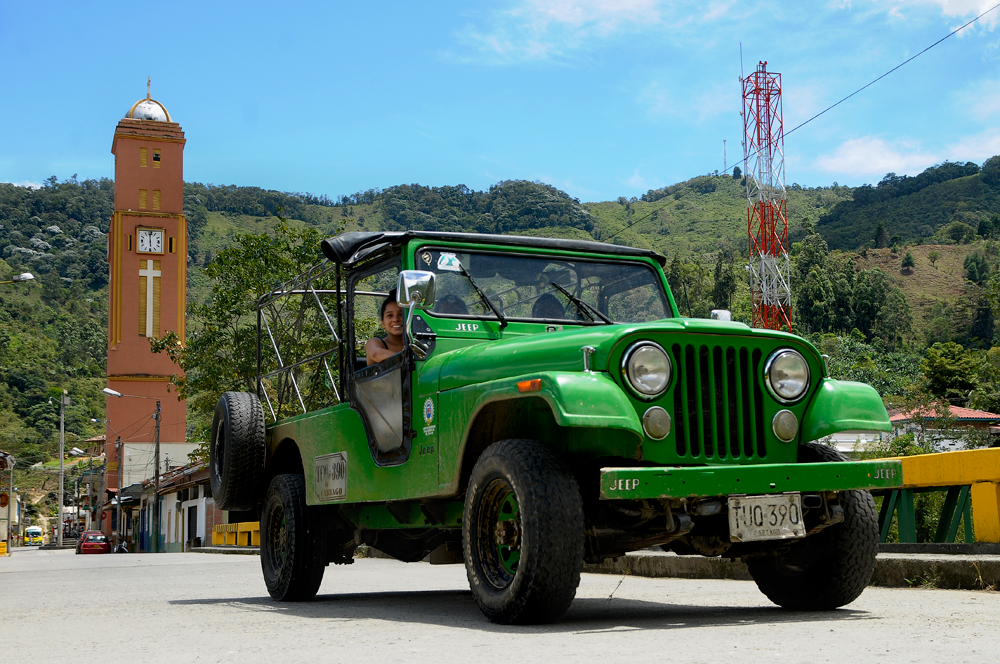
x: 799, y: 126
x: 950, y: 34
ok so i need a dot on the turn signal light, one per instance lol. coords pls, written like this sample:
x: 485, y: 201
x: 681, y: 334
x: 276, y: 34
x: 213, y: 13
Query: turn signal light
x: 532, y: 385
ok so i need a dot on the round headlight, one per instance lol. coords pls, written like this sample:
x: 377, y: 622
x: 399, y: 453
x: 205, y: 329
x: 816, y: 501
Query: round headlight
x: 647, y: 369
x: 787, y: 375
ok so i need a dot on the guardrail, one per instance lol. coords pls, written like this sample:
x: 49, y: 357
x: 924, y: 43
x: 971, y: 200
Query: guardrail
x: 236, y: 534
x: 971, y: 479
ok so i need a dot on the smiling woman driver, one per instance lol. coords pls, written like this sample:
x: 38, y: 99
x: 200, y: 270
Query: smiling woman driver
x: 377, y: 350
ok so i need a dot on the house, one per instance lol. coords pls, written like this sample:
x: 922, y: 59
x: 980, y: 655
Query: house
x: 946, y: 425
x: 187, y: 510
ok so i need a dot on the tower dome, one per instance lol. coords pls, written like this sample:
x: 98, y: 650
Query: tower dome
x: 149, y: 109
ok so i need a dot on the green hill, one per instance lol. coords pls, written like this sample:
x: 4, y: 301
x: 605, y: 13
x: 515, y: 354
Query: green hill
x: 52, y: 330
x: 916, y: 208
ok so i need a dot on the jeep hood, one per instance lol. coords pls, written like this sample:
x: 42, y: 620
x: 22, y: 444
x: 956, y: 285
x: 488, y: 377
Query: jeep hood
x: 560, y: 351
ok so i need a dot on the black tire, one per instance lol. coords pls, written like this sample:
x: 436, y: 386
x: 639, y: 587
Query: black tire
x: 236, y: 453
x: 290, y: 544
x: 532, y: 576
x: 831, y: 568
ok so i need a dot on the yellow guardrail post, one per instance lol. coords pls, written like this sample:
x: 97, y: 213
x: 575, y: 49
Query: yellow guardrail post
x: 979, y: 469
x: 986, y: 511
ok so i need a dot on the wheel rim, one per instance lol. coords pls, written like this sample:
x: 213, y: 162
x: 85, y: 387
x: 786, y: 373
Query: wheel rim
x: 275, y: 538
x: 499, y: 533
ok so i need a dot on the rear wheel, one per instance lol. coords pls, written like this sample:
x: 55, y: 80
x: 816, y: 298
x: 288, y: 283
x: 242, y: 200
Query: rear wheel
x: 523, y: 533
x: 290, y: 544
x: 236, y: 464
x: 831, y: 568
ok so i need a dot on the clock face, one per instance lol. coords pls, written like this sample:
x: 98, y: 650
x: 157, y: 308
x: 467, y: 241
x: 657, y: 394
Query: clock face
x: 150, y: 241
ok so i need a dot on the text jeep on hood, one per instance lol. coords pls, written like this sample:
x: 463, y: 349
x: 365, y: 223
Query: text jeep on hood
x: 549, y: 408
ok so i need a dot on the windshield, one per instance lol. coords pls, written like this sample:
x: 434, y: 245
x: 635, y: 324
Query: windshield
x: 97, y: 538
x: 544, y: 288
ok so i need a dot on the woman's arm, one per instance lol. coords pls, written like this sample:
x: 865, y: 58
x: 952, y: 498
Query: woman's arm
x: 376, y: 351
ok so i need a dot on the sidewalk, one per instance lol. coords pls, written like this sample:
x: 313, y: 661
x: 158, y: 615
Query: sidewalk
x: 975, y: 571
x: 893, y: 570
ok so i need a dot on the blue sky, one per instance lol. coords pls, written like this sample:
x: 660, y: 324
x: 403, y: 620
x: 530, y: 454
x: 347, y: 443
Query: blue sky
x: 601, y: 98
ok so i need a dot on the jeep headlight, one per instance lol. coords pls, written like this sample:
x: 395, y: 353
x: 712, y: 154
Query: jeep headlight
x: 787, y: 375
x: 646, y: 369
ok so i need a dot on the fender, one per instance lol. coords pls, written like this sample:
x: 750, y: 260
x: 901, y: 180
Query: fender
x: 842, y: 405
x: 589, y: 406
x: 577, y: 399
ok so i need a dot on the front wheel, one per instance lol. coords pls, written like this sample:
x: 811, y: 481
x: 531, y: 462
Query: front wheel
x: 831, y: 568
x: 522, y: 533
x: 290, y: 545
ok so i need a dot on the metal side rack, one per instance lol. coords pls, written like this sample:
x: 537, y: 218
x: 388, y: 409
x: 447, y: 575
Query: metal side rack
x: 298, y: 366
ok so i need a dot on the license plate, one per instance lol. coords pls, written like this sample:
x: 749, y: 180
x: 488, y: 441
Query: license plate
x: 770, y: 517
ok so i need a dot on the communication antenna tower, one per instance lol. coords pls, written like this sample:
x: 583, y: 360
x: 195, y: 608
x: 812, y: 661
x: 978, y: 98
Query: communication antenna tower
x: 767, y: 222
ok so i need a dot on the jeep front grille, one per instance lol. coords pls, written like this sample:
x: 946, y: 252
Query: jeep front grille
x: 718, y: 403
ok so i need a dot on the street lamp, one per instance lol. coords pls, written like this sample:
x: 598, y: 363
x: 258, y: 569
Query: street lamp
x: 156, y: 477
x: 24, y: 276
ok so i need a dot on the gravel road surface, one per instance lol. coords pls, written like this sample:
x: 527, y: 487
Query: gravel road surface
x: 214, y: 608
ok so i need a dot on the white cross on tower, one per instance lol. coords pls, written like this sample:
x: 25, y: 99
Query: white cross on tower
x: 149, y: 273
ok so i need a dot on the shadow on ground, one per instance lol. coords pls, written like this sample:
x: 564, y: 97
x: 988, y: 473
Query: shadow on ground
x: 456, y: 608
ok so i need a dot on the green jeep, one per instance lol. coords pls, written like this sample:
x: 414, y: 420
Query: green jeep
x: 550, y: 408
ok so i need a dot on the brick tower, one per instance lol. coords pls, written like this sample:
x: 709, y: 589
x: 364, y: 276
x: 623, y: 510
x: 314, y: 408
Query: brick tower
x: 147, y: 253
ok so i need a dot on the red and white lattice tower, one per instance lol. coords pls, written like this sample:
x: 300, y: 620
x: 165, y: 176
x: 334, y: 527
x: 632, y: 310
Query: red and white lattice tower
x: 767, y: 223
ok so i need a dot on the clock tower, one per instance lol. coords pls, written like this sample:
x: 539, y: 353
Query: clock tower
x: 147, y: 253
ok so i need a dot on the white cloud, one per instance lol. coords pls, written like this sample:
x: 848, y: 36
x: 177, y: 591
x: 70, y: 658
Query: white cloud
x: 964, y: 9
x: 636, y: 181
x: 981, y: 100
x: 658, y: 99
x: 27, y: 183
x: 541, y: 29
x: 873, y: 156
x: 976, y: 148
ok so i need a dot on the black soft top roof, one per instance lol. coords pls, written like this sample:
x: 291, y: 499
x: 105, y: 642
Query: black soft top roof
x: 350, y: 248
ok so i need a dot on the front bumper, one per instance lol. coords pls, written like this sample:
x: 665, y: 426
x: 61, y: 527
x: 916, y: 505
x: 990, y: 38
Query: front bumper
x: 702, y: 481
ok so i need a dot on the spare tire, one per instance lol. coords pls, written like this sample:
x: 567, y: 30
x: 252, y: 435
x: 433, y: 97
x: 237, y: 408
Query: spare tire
x: 236, y: 463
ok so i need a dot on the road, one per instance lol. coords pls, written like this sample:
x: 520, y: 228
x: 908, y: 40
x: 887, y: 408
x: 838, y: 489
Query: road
x: 214, y: 608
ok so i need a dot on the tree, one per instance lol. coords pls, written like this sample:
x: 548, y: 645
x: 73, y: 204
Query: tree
x: 869, y: 294
x: 908, y: 261
x: 977, y: 269
x: 894, y: 320
x: 933, y: 257
x: 986, y: 227
x: 881, y: 236
x: 737, y: 173
x: 221, y: 349
x: 815, y: 302
x: 725, y: 281
x: 950, y: 371
x: 986, y: 395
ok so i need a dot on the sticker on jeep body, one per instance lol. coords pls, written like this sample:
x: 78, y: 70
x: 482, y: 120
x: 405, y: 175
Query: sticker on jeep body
x: 331, y: 476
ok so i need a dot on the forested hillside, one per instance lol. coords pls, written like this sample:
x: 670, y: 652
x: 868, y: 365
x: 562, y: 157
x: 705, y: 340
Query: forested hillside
x: 945, y: 202
x: 924, y: 271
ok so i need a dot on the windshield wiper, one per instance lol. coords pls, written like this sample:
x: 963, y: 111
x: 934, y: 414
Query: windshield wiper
x: 582, y: 306
x: 488, y: 301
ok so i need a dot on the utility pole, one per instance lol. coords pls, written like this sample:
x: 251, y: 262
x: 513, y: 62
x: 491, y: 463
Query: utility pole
x: 156, y: 494
x: 63, y: 402
x: 118, y: 447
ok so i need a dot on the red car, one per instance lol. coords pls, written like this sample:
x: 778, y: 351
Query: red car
x: 93, y: 542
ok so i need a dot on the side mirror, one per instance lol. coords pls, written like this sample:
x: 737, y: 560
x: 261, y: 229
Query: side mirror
x: 415, y: 290
x: 415, y: 287
x: 721, y: 314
